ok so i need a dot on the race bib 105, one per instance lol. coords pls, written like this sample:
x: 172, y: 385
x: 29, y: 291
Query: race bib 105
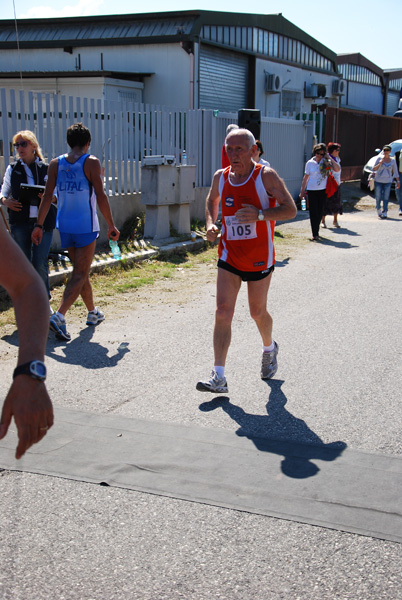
x: 239, y: 231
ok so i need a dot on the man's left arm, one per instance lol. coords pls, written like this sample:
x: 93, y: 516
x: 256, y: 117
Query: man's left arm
x: 93, y: 172
x: 275, y: 186
x: 27, y: 400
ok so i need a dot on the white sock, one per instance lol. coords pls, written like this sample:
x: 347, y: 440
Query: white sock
x: 220, y: 371
x: 268, y: 348
x: 61, y: 317
x: 94, y: 311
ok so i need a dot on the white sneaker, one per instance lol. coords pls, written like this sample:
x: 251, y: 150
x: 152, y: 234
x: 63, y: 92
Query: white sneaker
x: 96, y: 317
x: 269, y: 363
x: 400, y: 212
x: 215, y: 384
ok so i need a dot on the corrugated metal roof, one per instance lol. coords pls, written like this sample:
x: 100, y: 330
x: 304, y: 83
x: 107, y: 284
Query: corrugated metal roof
x: 46, y: 31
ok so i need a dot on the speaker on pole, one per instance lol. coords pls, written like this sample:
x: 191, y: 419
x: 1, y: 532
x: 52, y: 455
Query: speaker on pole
x: 250, y: 118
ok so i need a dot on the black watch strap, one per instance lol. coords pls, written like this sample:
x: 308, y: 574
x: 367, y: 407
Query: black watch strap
x: 34, y: 368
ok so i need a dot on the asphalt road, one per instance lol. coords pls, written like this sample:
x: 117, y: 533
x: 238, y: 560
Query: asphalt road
x: 337, y: 319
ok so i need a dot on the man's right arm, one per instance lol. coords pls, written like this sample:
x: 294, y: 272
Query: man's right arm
x: 46, y: 201
x: 93, y: 171
x: 212, y: 208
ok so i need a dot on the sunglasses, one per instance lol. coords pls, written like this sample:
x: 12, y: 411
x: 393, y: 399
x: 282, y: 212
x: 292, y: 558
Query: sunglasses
x: 23, y: 144
x: 320, y: 153
x: 386, y: 150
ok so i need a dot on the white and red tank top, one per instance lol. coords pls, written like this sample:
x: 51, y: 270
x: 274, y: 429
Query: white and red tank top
x: 246, y: 246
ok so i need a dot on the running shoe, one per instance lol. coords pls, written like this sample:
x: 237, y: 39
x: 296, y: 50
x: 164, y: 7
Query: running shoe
x: 59, y: 328
x: 95, y: 317
x: 215, y: 384
x: 384, y: 215
x: 269, y: 363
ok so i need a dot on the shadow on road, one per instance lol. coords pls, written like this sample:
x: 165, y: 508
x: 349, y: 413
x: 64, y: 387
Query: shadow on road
x: 80, y: 351
x: 279, y: 432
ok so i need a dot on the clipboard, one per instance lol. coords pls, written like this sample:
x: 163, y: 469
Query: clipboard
x: 30, y: 193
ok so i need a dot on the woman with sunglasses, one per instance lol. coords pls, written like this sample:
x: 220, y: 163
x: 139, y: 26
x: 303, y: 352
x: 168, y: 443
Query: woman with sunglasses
x: 385, y: 171
x: 333, y: 204
x: 315, y: 183
x: 30, y: 168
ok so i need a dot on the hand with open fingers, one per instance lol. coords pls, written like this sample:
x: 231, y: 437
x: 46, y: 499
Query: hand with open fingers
x: 12, y: 204
x: 212, y: 233
x: 247, y: 214
x: 29, y: 403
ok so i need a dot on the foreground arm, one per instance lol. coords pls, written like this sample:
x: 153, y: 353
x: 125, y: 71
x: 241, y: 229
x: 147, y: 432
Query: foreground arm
x: 27, y: 400
x: 275, y: 187
x: 212, y: 208
x: 92, y: 170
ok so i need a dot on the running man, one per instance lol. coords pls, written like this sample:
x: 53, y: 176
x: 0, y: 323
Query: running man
x: 252, y: 198
x: 77, y: 177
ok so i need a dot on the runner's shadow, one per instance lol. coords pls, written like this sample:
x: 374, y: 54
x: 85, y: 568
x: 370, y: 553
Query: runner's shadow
x: 279, y: 432
x: 80, y: 351
x: 90, y: 355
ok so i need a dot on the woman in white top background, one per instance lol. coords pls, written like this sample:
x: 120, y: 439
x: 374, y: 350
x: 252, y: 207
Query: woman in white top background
x: 385, y: 171
x: 315, y: 183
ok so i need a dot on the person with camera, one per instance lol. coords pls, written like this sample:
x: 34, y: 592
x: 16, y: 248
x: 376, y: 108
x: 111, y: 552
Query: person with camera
x: 315, y: 183
x: 30, y: 168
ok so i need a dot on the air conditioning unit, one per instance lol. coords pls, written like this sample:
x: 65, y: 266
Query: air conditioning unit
x: 338, y: 87
x: 272, y: 83
x: 310, y: 90
x: 158, y: 159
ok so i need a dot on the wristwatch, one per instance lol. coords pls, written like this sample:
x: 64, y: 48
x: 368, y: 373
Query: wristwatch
x: 35, y: 369
x: 260, y: 215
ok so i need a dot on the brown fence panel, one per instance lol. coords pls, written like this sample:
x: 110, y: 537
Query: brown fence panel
x: 359, y: 133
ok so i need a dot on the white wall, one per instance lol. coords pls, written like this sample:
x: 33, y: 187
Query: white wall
x: 364, y: 97
x: 85, y: 87
x: 169, y: 86
x: 292, y: 78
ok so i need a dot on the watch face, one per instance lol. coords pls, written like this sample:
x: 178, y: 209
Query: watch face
x: 38, y: 369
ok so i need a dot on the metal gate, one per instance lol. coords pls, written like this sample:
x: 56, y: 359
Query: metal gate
x: 223, y: 79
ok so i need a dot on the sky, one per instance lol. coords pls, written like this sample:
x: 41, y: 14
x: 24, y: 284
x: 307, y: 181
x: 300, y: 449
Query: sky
x: 344, y: 26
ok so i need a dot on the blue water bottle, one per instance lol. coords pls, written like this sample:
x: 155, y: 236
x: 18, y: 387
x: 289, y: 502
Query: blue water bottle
x: 184, y: 158
x: 114, y: 246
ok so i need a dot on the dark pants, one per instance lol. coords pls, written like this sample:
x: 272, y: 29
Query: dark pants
x: 37, y: 255
x: 316, y: 201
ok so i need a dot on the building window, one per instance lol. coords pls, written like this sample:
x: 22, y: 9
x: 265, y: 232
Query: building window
x: 266, y: 43
x: 291, y: 102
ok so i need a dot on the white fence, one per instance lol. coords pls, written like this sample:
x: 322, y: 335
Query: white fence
x: 124, y: 132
